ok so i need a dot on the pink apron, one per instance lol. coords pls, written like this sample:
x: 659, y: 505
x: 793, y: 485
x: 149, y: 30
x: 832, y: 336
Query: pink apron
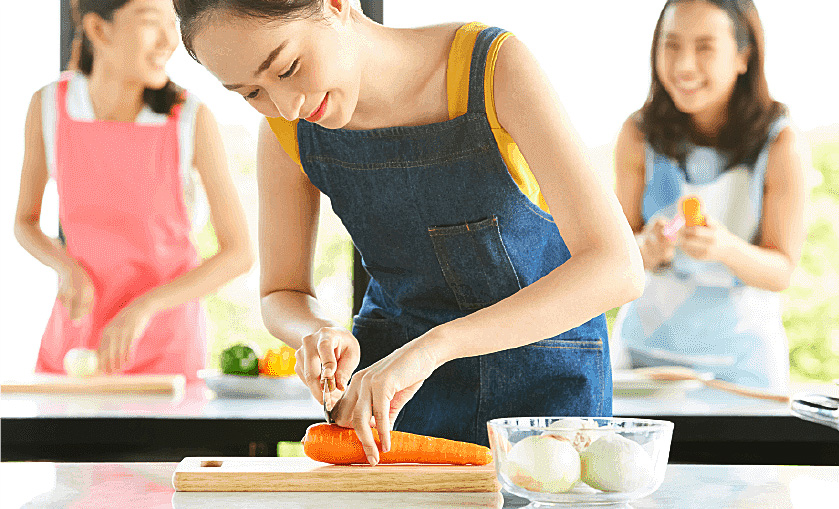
x: 123, y: 215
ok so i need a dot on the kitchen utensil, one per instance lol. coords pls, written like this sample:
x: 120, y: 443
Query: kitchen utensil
x: 328, y: 385
x: 683, y: 373
x: 100, y: 384
x: 818, y: 408
x: 627, y: 383
x: 305, y: 474
x: 614, y: 460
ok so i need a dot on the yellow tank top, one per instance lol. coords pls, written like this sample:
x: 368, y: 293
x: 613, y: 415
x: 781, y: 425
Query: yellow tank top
x: 457, y: 87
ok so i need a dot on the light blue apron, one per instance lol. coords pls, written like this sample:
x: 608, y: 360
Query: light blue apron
x: 697, y: 313
x: 444, y: 231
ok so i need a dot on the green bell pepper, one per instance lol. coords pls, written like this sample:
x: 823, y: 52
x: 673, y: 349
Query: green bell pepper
x: 239, y: 360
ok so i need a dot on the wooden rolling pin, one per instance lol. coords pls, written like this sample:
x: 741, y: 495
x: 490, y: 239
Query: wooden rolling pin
x: 674, y: 373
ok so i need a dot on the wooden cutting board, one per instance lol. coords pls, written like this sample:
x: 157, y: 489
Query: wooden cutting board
x: 305, y: 474
x: 146, y: 384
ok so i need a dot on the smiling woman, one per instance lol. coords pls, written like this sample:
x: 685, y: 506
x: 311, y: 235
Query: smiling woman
x: 447, y: 170
x: 120, y: 139
x: 710, y: 129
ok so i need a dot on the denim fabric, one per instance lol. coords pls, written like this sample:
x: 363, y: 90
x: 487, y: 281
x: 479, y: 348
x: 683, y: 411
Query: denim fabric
x: 443, y: 231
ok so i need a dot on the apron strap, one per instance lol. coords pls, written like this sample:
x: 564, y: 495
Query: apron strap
x: 477, y: 100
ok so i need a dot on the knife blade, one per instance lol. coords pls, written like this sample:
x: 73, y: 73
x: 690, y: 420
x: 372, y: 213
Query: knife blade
x: 328, y: 385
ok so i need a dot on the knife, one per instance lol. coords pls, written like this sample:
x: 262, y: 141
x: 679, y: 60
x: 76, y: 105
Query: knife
x: 328, y: 385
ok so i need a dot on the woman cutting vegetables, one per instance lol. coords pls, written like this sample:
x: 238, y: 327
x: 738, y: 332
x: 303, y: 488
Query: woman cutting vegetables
x: 454, y: 177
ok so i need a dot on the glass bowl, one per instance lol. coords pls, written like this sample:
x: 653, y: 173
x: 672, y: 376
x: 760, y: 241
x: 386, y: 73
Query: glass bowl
x: 554, y: 461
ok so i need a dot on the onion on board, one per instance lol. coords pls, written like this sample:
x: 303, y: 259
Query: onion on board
x: 81, y: 362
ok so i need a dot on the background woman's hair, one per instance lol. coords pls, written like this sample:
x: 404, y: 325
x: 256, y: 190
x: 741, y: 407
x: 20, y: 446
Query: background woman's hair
x: 193, y: 13
x: 751, y: 109
x: 160, y: 100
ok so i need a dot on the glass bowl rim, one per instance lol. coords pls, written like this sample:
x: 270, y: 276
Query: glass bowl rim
x: 652, y: 424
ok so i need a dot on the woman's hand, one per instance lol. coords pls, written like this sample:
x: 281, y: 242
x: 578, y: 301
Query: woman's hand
x: 656, y: 248
x: 711, y: 242
x: 378, y: 393
x: 331, y: 352
x: 75, y: 291
x: 119, y: 335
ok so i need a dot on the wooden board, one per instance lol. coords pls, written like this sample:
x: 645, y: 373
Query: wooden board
x: 305, y: 474
x: 146, y: 384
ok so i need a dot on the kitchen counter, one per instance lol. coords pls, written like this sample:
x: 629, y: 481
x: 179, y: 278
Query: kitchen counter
x: 711, y: 427
x: 149, y: 485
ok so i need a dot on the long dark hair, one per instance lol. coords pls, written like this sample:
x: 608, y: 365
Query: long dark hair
x: 751, y: 109
x: 193, y: 13
x: 160, y: 100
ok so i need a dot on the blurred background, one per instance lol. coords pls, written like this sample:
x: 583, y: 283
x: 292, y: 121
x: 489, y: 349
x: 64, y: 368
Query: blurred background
x: 597, y: 56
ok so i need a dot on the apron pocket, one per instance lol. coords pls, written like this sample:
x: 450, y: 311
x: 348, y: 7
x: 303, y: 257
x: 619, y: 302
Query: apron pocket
x: 475, y: 263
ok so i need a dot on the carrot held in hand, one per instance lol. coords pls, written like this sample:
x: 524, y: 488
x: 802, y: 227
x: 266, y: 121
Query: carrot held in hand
x: 693, y: 214
x: 334, y: 444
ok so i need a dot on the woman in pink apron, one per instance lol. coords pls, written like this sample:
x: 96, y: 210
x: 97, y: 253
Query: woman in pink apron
x: 120, y: 138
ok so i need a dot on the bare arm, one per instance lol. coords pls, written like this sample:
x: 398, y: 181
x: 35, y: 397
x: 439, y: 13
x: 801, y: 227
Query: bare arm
x: 630, y: 182
x: 605, y: 269
x: 770, y: 264
x: 28, y: 233
x: 289, y: 207
x: 630, y: 173
x: 234, y: 256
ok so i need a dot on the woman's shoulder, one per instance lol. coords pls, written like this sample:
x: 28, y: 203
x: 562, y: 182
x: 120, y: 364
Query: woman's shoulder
x: 787, y: 140
x: 631, y: 139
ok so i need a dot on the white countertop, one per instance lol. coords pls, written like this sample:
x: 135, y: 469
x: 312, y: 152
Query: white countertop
x: 197, y: 402
x: 149, y: 485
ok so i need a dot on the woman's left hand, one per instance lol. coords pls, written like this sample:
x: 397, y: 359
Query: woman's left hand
x: 119, y: 335
x: 376, y: 395
x: 711, y: 242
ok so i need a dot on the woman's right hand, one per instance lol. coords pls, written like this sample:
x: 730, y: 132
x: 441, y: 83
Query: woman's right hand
x: 656, y: 249
x: 335, y: 352
x: 75, y: 291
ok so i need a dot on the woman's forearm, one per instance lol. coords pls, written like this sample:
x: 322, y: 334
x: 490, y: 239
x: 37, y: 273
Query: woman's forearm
x: 45, y: 249
x: 213, y: 272
x: 760, y: 267
x: 291, y: 315
x: 583, y: 287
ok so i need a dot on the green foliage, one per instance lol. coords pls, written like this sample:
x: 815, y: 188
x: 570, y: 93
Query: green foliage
x: 811, y: 311
x: 229, y: 324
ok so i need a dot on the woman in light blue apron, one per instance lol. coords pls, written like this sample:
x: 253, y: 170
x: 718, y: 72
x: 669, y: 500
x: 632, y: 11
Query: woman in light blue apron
x: 477, y: 307
x: 710, y: 129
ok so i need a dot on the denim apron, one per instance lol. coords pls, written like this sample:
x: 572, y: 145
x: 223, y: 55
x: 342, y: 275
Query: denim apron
x: 697, y: 313
x: 443, y: 230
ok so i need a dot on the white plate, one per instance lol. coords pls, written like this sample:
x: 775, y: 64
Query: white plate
x: 627, y: 384
x: 242, y: 386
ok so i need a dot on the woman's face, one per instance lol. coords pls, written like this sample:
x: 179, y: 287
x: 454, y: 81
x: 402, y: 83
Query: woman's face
x: 304, y: 68
x: 697, y: 59
x: 139, y: 40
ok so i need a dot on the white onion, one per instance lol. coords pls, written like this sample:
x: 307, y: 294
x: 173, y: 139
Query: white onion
x: 615, y: 463
x: 546, y: 464
x: 580, y: 432
x: 81, y: 362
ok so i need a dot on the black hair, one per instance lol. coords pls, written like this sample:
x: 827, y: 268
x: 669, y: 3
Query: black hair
x: 193, y: 13
x: 751, y: 109
x: 160, y: 100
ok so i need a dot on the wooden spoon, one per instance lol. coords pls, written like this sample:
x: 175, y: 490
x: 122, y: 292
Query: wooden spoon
x: 674, y: 373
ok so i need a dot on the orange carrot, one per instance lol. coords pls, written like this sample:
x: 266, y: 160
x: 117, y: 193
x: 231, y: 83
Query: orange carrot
x: 693, y: 214
x: 334, y: 444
